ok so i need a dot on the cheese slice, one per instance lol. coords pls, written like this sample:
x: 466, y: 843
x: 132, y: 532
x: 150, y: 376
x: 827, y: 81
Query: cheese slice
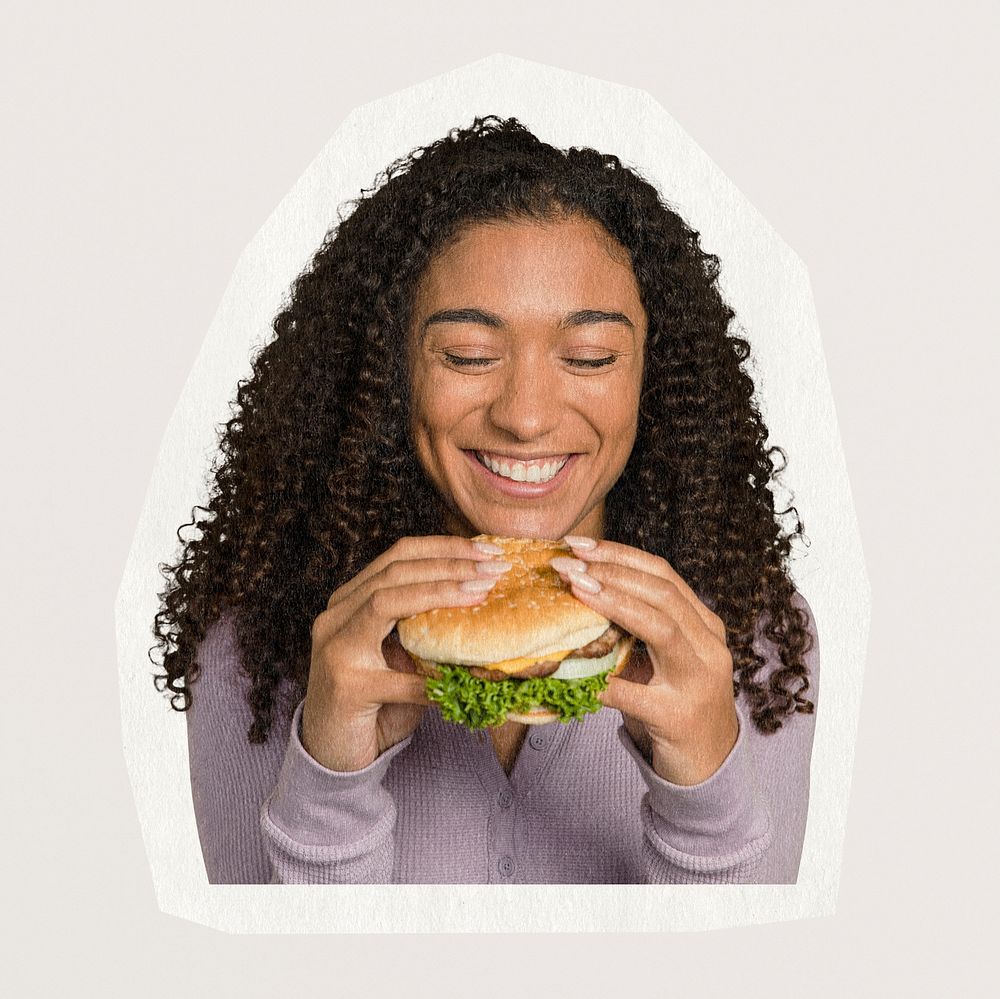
x: 516, y: 665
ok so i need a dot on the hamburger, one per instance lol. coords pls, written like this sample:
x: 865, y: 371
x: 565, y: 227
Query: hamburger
x: 530, y: 652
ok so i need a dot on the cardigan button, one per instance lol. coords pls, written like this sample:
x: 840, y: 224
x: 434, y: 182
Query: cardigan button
x: 506, y: 866
x: 505, y: 799
x: 537, y: 741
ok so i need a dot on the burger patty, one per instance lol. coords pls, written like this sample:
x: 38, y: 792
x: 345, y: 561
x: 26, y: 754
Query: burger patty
x: 544, y: 668
x: 600, y: 646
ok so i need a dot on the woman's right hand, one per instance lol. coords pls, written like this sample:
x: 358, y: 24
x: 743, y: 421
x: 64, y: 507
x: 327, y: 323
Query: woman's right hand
x: 364, y: 694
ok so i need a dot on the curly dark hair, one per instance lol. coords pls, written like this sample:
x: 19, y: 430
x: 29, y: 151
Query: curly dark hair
x: 316, y: 475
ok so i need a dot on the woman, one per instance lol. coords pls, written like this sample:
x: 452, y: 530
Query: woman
x: 495, y: 304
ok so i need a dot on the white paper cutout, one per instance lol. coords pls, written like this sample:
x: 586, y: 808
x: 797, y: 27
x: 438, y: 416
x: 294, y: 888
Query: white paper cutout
x: 769, y: 288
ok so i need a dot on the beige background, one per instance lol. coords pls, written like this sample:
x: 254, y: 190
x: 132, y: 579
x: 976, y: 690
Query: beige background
x: 144, y: 149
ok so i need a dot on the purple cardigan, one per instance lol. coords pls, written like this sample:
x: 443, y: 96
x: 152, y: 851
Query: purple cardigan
x: 581, y: 804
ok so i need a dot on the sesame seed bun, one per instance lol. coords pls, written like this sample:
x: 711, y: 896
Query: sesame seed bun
x: 530, y: 613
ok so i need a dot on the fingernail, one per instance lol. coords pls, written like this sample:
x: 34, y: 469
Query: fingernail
x: 586, y: 583
x: 576, y: 541
x: 563, y: 564
x: 493, y: 568
x: 478, y: 585
x: 488, y: 548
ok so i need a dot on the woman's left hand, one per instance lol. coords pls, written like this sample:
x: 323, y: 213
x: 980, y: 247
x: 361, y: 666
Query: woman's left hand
x: 677, y: 700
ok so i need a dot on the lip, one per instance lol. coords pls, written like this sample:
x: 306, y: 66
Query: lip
x: 523, y: 490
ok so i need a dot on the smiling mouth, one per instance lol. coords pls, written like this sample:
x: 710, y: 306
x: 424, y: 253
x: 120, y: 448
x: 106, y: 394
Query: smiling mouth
x: 538, y: 470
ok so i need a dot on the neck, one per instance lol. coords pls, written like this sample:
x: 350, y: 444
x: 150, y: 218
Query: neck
x: 507, y: 739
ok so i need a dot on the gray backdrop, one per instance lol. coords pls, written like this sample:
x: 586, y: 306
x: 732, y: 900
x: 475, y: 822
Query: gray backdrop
x: 142, y: 150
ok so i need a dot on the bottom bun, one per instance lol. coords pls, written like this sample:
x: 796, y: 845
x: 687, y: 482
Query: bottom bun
x: 536, y: 716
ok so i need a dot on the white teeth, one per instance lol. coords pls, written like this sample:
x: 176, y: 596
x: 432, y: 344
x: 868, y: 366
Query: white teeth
x: 519, y: 472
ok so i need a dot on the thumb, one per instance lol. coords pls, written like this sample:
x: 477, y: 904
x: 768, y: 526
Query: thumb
x: 628, y: 697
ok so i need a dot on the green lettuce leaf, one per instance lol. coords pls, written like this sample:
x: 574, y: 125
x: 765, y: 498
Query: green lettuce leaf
x: 474, y: 703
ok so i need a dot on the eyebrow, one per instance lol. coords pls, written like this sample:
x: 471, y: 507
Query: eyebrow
x: 582, y: 317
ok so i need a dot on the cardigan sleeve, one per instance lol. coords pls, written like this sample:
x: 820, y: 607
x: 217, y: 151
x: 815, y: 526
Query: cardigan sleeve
x: 324, y: 827
x: 746, y: 823
x: 230, y: 777
x: 270, y: 813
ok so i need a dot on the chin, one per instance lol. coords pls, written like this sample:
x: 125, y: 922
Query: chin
x: 539, y: 527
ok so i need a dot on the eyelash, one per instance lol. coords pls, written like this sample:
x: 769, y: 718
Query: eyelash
x: 582, y: 362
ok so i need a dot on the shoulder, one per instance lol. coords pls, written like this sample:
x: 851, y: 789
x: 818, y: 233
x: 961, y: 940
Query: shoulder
x: 224, y: 679
x: 801, y: 620
x: 808, y: 644
x: 795, y: 638
x: 221, y: 682
x: 218, y: 653
x: 800, y: 603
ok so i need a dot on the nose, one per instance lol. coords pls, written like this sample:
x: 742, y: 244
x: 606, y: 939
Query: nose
x: 529, y: 403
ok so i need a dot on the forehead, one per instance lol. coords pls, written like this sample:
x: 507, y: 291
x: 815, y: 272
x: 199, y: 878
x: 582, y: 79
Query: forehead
x: 573, y: 258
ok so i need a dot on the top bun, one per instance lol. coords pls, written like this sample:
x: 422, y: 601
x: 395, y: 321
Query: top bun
x: 530, y: 612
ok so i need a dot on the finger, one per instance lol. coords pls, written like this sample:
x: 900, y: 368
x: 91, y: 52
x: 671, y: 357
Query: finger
x: 409, y: 549
x: 660, y: 708
x: 363, y: 691
x: 658, y: 593
x: 342, y: 607
x: 390, y: 687
x: 431, y: 570
x: 440, y: 546
x: 636, y: 558
x: 672, y: 654
x: 421, y: 571
x: 632, y: 699
x: 372, y: 614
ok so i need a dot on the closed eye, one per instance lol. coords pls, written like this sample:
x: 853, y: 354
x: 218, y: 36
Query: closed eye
x: 592, y: 362
x: 464, y: 362
x: 577, y: 362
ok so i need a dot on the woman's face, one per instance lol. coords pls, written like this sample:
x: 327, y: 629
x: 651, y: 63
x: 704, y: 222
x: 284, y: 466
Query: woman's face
x: 525, y: 349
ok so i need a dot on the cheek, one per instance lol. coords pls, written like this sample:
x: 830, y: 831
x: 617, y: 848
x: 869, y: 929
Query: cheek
x: 614, y: 408
x: 435, y: 413
x: 427, y: 398
x: 621, y: 423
